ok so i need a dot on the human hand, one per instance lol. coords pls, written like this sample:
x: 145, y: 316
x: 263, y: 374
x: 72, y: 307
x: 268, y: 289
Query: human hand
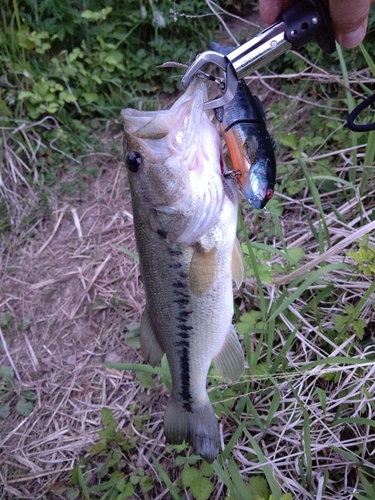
x: 349, y: 17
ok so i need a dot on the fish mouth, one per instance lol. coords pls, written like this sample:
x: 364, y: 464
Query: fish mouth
x: 176, y: 128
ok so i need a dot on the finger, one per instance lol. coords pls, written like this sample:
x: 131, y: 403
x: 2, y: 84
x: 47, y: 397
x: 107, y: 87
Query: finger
x: 349, y: 20
x: 271, y: 9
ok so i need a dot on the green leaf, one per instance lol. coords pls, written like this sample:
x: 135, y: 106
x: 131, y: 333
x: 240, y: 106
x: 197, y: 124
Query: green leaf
x: 289, y: 140
x: 104, y: 12
x: 286, y: 496
x: 258, y: 487
x: 82, y: 483
x: 29, y: 395
x: 348, y: 455
x: 72, y: 494
x: 189, y: 474
x: 24, y: 325
x: 107, y: 419
x: 5, y: 410
x: 90, y: 97
x: 239, y: 483
x: 248, y: 321
x: 206, y: 469
x: 295, y: 253
x: 90, y: 15
x: 24, y: 94
x: 201, y: 488
x: 67, y: 96
x: 146, y: 484
x: 132, y: 337
x: 99, y: 448
x: 369, y: 487
x: 24, y: 407
x: 128, y: 492
x: 274, y: 406
x: 145, y: 379
x: 273, y: 484
x: 359, y: 327
x: 6, y: 372
x: 322, y: 398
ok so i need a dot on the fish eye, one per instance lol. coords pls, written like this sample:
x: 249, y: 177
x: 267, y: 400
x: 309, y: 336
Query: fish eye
x: 133, y: 161
x: 269, y: 193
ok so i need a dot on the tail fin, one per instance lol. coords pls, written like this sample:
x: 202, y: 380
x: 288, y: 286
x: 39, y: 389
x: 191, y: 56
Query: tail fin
x: 198, y: 428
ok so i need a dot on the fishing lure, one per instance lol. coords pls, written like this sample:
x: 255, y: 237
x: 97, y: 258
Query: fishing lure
x: 251, y: 148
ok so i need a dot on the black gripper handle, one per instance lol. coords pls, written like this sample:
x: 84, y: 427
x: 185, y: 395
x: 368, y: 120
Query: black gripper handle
x: 307, y: 21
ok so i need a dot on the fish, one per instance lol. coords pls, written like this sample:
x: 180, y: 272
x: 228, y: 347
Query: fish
x: 250, y: 147
x: 185, y: 228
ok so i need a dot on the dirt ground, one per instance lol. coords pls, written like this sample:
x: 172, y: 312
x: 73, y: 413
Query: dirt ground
x: 71, y: 294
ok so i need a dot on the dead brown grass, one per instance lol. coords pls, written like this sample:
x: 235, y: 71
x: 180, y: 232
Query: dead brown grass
x: 78, y: 293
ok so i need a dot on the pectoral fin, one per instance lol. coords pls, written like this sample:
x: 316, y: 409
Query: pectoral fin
x: 202, y: 273
x: 151, y: 350
x: 230, y: 361
x: 237, y: 263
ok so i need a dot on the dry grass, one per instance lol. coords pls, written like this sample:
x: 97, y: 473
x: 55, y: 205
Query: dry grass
x: 79, y: 293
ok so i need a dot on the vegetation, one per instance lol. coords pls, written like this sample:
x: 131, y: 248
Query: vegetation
x: 300, y: 423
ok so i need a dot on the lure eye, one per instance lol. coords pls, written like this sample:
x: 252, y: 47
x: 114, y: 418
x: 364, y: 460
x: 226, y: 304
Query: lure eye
x: 133, y: 161
x: 269, y: 193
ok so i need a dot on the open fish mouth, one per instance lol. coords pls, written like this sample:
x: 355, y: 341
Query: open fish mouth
x: 173, y: 131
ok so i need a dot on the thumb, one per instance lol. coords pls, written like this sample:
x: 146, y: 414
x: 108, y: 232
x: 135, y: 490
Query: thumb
x: 349, y: 20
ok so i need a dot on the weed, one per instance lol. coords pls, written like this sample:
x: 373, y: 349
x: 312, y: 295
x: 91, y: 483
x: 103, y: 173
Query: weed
x: 11, y: 398
x: 104, y: 470
x: 79, y: 62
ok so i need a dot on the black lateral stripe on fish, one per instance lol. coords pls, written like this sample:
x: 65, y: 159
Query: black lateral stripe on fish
x: 243, y: 120
x: 184, y: 334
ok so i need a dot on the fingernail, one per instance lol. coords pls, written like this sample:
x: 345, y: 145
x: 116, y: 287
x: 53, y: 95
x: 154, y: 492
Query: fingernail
x: 352, y: 39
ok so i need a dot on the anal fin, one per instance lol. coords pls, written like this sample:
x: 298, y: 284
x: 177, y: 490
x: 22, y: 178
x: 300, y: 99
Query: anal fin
x: 150, y: 347
x: 230, y: 361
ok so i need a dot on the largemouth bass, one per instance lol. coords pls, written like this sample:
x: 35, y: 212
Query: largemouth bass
x: 185, y: 228
x: 251, y: 148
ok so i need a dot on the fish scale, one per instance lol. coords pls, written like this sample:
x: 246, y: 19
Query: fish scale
x: 185, y: 229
